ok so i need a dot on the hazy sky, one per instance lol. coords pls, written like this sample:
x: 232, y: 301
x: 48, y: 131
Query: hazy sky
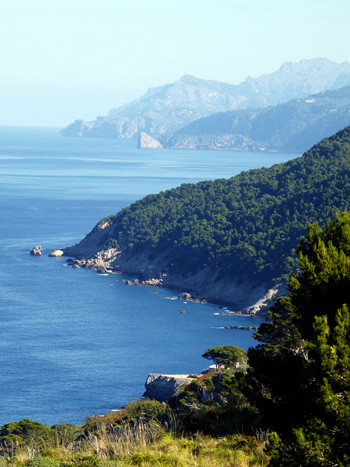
x: 68, y: 59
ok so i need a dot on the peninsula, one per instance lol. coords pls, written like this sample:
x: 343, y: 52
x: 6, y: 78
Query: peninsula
x: 228, y: 241
x: 293, y: 126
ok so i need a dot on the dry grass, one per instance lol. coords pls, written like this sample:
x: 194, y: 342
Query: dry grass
x: 136, y: 437
x: 149, y: 445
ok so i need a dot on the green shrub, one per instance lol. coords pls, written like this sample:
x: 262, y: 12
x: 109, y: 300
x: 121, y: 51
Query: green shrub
x: 112, y: 243
x: 209, y: 385
x: 42, y: 462
x: 147, y: 408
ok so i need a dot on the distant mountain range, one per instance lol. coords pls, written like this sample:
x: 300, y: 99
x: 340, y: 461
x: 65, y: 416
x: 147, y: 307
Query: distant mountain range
x: 166, y: 109
x: 292, y: 127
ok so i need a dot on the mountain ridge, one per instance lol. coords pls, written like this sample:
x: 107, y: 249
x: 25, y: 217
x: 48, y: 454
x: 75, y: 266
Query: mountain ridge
x: 165, y: 109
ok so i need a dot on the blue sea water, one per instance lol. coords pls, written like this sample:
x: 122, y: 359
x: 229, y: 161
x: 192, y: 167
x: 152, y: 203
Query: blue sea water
x: 74, y: 343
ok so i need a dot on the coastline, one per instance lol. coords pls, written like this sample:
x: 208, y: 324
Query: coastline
x: 250, y: 298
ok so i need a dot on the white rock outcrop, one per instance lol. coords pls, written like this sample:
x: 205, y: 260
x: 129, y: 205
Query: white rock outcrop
x: 163, y: 387
x: 56, y: 253
x: 147, y: 142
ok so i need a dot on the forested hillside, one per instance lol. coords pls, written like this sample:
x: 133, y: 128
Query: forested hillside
x: 293, y: 126
x: 245, y: 227
x: 299, y: 377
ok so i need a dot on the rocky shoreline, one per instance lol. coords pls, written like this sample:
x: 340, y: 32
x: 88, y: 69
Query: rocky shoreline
x: 243, y: 328
x: 242, y: 298
x: 103, y: 268
x: 251, y: 301
x: 246, y: 294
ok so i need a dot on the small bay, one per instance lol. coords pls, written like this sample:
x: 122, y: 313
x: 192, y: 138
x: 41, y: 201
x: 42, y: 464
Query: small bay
x: 74, y: 343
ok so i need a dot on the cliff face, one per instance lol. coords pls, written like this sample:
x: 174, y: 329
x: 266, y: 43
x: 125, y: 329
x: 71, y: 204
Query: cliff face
x: 245, y: 295
x: 163, y: 387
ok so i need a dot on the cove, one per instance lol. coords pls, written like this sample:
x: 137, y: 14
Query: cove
x: 74, y: 343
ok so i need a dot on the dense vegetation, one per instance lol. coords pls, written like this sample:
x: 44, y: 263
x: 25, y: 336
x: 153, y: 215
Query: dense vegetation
x: 300, y: 375
x: 297, y: 384
x: 246, y: 225
x: 289, y: 403
x: 292, y: 126
x: 227, y: 356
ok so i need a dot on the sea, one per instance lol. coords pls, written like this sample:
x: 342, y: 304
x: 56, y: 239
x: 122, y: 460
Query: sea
x: 74, y: 343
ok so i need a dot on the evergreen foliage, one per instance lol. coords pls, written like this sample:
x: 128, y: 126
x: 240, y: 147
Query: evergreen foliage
x: 246, y: 225
x: 22, y: 433
x: 297, y: 383
x: 228, y: 355
x: 298, y: 379
x: 301, y: 373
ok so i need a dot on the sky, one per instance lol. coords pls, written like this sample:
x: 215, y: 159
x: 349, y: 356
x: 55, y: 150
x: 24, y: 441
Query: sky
x: 67, y: 59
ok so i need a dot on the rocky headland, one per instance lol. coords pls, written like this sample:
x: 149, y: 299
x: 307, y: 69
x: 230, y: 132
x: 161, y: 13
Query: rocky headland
x: 147, y: 142
x: 162, y: 387
x: 224, y: 240
x: 244, y: 295
x: 293, y: 126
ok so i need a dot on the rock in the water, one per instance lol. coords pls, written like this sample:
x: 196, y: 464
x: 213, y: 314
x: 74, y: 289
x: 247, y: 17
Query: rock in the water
x: 184, y: 296
x: 36, y: 251
x: 101, y: 270
x: 56, y: 253
x: 128, y: 283
x: 147, y: 142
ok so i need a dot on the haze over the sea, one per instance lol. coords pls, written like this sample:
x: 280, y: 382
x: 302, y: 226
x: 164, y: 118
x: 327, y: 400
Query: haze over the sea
x: 77, y: 59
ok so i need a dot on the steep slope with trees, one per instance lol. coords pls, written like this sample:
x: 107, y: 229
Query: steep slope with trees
x: 225, y: 238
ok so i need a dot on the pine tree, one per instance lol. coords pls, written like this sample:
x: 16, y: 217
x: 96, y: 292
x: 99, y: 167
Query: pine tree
x: 301, y: 370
